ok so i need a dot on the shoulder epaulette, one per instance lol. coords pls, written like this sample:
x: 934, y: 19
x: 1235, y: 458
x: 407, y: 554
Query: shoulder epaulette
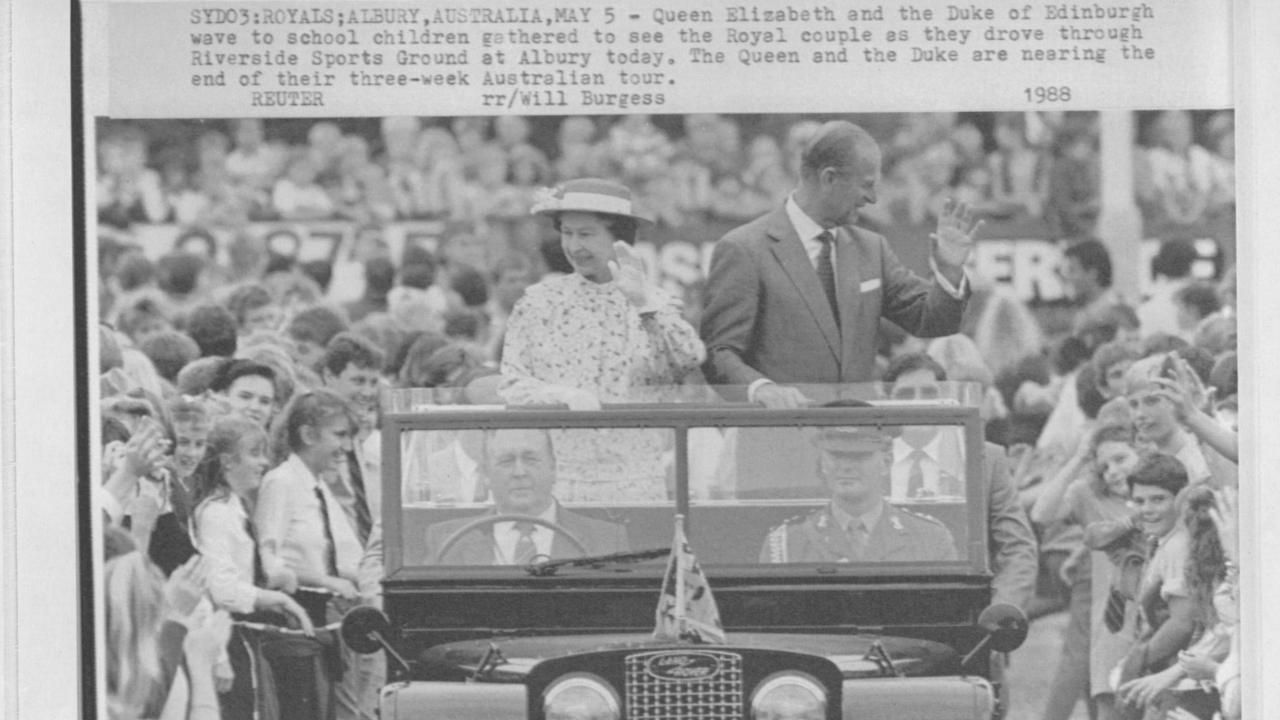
x: 778, y: 544
x: 923, y: 516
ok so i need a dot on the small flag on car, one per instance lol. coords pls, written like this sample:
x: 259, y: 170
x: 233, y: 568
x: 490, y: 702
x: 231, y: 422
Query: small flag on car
x: 686, y: 609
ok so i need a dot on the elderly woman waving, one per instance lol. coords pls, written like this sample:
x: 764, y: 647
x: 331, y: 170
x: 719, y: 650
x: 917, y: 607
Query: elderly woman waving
x: 600, y: 334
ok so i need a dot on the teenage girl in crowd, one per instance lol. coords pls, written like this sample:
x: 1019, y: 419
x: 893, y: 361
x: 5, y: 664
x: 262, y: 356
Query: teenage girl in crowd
x: 1089, y: 488
x: 227, y: 479
x: 303, y: 528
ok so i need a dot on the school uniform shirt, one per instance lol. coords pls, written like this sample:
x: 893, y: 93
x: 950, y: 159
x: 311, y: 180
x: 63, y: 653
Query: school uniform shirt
x: 291, y: 524
x: 1165, y: 575
x: 341, y: 483
x: 222, y: 539
x: 370, y: 456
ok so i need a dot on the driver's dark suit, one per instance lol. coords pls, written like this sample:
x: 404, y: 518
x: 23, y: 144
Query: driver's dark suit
x: 477, y: 547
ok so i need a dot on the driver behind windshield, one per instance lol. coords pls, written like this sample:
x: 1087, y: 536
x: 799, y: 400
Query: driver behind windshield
x: 521, y: 468
x: 858, y: 525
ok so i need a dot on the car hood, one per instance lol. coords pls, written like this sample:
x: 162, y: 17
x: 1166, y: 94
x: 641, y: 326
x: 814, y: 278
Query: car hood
x: 852, y: 654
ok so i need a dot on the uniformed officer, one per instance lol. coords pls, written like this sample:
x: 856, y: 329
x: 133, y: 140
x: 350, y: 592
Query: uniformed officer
x: 858, y: 525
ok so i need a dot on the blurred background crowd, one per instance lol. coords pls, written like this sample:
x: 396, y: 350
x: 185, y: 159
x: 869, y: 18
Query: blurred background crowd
x: 687, y: 170
x: 230, y: 322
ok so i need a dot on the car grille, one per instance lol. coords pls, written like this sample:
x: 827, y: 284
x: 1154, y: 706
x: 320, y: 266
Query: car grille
x: 649, y: 696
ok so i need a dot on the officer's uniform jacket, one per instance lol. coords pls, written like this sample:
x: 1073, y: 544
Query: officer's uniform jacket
x: 898, y: 536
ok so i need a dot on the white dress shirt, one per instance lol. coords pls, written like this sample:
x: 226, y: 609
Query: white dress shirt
x: 901, y: 470
x: 291, y: 528
x: 808, y: 229
x: 371, y: 465
x: 221, y: 538
x: 943, y: 457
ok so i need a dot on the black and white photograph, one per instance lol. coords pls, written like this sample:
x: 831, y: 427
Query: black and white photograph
x: 591, y: 394
x: 293, y: 311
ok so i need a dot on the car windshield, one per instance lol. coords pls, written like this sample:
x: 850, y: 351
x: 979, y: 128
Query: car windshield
x: 876, y: 478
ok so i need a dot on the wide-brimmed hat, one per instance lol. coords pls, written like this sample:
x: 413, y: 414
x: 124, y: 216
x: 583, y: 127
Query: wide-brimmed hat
x: 592, y: 195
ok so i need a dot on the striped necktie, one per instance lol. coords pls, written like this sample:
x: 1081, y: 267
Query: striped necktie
x: 915, y: 474
x: 364, y: 519
x: 331, y: 548
x: 259, y: 573
x: 526, y: 550
x: 858, y: 538
x: 827, y: 272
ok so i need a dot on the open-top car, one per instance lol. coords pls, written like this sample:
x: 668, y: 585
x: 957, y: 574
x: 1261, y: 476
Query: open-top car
x: 839, y: 571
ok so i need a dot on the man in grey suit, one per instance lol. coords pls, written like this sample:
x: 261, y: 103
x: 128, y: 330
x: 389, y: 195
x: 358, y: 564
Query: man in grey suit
x: 521, y: 468
x: 858, y: 525
x: 796, y: 295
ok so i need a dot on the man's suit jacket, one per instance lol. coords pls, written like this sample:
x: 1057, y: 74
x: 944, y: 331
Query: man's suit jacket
x: 766, y: 314
x: 477, y: 547
x: 1011, y: 542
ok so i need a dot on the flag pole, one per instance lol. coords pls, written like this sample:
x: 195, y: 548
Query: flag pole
x: 681, y: 625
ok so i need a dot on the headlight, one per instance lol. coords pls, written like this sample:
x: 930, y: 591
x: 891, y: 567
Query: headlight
x: 581, y: 696
x: 789, y: 696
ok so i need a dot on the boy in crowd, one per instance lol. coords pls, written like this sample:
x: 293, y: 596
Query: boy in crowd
x: 310, y: 331
x: 253, y: 308
x: 1155, y: 417
x: 1086, y: 270
x: 351, y: 368
x: 1166, y: 612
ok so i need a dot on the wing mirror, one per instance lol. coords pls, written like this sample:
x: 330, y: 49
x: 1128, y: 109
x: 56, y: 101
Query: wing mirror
x: 365, y: 629
x: 1006, y: 628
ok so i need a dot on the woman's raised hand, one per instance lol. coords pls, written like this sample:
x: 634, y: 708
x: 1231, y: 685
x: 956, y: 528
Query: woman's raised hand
x: 628, y: 273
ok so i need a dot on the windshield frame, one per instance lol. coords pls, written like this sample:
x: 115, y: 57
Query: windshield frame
x: 679, y: 418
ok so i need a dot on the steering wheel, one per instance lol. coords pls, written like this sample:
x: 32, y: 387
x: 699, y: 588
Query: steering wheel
x: 488, y: 520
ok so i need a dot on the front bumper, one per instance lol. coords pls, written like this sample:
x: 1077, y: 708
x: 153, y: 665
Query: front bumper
x: 917, y: 698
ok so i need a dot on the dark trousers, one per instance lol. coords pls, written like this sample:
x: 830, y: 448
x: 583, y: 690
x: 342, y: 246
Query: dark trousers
x: 316, y: 605
x: 303, y: 685
x: 253, y: 693
x: 306, y: 669
x: 238, y: 702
